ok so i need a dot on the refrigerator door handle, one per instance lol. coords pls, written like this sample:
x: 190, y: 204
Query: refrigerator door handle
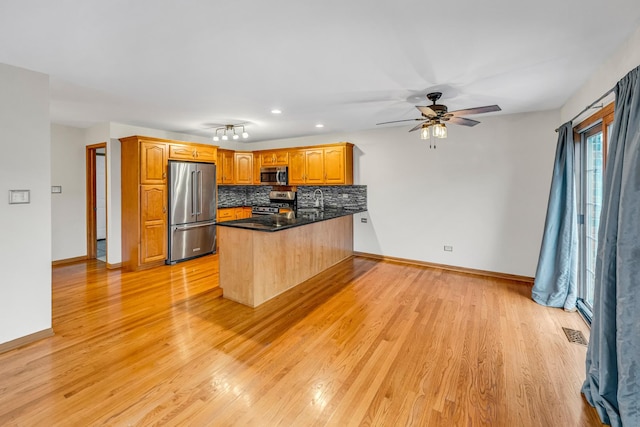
x: 199, y: 192
x: 193, y: 194
x: 189, y: 227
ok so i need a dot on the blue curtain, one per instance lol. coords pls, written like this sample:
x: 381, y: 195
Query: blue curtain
x: 612, y: 384
x: 555, y: 283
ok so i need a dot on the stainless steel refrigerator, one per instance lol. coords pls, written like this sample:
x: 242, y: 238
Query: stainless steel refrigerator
x: 192, y: 210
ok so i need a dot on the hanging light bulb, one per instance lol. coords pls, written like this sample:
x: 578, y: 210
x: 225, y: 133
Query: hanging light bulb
x: 440, y: 130
x: 424, y: 131
x: 216, y: 138
x: 235, y: 135
x: 245, y: 135
x: 224, y: 136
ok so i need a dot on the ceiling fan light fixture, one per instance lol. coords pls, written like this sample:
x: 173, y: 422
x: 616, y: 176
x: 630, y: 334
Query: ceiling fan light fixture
x: 439, y: 130
x: 424, y: 131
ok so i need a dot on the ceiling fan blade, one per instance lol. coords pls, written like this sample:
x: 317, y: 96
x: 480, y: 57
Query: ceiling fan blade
x: 399, y: 121
x: 426, y: 111
x: 416, y: 127
x: 476, y: 110
x: 461, y: 121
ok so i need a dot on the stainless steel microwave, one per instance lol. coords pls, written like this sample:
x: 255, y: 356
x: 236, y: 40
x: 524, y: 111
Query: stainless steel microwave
x: 274, y: 175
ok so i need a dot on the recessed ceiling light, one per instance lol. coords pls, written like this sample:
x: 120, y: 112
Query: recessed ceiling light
x: 319, y: 125
x: 276, y: 111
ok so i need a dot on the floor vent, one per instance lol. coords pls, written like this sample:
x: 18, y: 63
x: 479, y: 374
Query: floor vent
x: 575, y: 336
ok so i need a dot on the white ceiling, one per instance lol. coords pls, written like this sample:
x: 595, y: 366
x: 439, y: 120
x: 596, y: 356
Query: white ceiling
x: 348, y: 64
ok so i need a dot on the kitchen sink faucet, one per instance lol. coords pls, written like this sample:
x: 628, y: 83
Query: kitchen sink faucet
x: 319, y: 200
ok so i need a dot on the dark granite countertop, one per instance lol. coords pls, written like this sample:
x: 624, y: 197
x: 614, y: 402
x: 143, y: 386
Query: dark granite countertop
x: 232, y: 206
x: 277, y: 222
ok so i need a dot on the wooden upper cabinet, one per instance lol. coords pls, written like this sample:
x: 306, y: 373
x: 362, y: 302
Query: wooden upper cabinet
x: 153, y: 163
x: 330, y: 164
x: 297, y: 169
x: 324, y: 165
x: 338, y: 165
x: 243, y: 167
x: 256, y: 169
x: 224, y: 169
x: 314, y: 166
x: 192, y: 151
x: 274, y: 158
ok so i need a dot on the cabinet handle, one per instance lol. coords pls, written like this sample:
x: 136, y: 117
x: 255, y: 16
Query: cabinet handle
x: 164, y: 175
x: 164, y: 209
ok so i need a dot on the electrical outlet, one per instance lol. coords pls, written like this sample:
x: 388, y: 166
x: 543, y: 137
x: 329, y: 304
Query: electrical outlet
x: 345, y: 196
x: 363, y: 220
x: 448, y: 248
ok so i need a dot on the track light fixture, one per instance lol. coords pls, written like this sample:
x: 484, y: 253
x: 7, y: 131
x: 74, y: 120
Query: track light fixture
x: 231, y: 129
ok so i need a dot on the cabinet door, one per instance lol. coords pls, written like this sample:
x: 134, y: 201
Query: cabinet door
x: 267, y: 158
x: 296, y: 167
x: 314, y: 165
x: 281, y: 158
x: 206, y: 154
x: 225, y: 167
x: 256, y: 169
x: 243, y: 168
x: 181, y: 152
x: 226, y: 214
x: 153, y: 161
x: 334, y: 165
x: 153, y: 212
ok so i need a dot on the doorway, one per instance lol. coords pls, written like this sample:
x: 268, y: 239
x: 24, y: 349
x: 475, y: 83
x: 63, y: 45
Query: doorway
x: 96, y: 156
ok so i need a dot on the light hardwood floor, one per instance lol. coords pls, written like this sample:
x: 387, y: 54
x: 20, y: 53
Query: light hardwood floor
x: 365, y: 343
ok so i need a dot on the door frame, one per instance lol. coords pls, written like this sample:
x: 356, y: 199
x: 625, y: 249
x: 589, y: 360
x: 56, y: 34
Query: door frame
x: 92, y: 232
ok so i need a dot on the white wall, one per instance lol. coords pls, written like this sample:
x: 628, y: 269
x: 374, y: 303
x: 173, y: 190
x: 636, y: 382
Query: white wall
x: 68, y: 209
x: 484, y: 191
x: 25, y: 229
x: 624, y: 59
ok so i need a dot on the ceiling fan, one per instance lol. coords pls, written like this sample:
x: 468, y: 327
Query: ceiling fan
x: 436, y: 115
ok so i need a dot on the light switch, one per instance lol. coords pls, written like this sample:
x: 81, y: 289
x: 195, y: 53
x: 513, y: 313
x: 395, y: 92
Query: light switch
x: 56, y: 188
x: 18, y: 197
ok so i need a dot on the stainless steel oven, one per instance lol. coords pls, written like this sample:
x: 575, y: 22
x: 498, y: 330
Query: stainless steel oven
x: 279, y: 202
x: 274, y: 175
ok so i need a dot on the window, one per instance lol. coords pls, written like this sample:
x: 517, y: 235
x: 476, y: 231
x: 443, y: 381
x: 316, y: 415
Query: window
x: 591, y: 138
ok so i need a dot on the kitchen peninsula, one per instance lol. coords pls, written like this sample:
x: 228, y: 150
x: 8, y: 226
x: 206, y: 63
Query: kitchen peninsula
x: 265, y: 256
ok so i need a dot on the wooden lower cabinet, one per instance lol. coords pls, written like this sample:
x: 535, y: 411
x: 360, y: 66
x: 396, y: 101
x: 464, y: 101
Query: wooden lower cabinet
x: 153, y: 212
x: 231, y: 214
x: 226, y: 214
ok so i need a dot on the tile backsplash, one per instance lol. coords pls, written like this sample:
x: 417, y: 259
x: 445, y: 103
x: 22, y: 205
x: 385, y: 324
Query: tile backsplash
x: 337, y: 196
